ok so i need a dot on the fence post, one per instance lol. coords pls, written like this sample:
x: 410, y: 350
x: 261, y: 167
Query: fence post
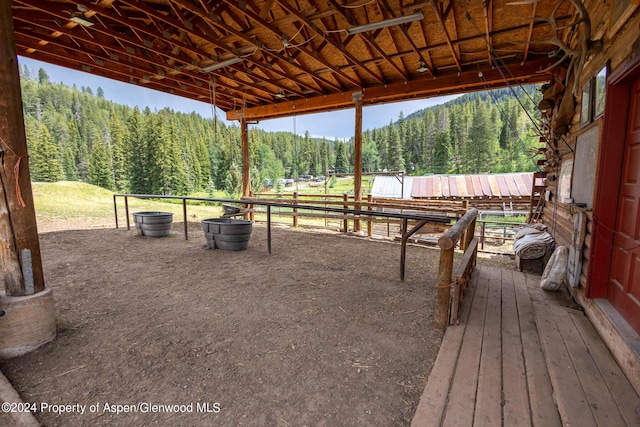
x: 251, y: 214
x: 115, y: 209
x: 295, y: 210
x: 369, y: 222
x: 126, y: 211
x: 345, y: 198
x: 184, y: 215
x: 443, y: 293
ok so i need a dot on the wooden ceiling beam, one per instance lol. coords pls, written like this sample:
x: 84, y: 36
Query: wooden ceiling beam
x: 419, y: 88
x: 121, y: 53
x: 350, y: 58
x: 124, y: 75
x: 488, y: 26
x: 441, y: 19
x: 315, y: 57
x: 216, y: 21
x: 372, y: 43
x: 530, y: 31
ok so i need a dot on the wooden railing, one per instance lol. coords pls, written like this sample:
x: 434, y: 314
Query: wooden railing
x: 453, y: 209
x: 452, y: 284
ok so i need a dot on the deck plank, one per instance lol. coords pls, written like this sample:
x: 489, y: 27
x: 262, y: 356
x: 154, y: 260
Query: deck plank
x: 544, y: 412
x: 432, y: 404
x: 515, y: 409
x: 571, y: 400
x: 488, y: 403
x: 462, y: 399
x: 604, y: 409
x: 625, y: 396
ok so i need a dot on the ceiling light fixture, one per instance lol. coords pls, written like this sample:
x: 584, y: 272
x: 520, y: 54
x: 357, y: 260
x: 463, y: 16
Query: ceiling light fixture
x: 222, y: 64
x: 383, y: 24
x: 422, y: 66
x: 79, y: 18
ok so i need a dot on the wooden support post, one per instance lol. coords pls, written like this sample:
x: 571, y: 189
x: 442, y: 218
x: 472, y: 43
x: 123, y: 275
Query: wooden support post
x: 269, y: 228
x: 369, y: 222
x: 345, y: 222
x: 246, y: 178
x: 184, y: 216
x: 357, y: 158
x: 16, y: 181
x: 252, y: 215
x: 295, y: 210
x: 443, y: 292
x: 447, y: 243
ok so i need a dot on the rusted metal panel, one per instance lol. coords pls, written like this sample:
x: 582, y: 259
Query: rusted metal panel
x: 437, y: 187
x: 511, y: 183
x: 444, y: 181
x: 461, y: 184
x: 469, y: 185
x: 495, y: 187
x: 486, y: 187
x: 453, y: 187
x: 502, y: 183
x: 521, y: 181
x: 477, y: 186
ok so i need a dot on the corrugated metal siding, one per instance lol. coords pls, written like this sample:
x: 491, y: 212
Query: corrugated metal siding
x: 391, y: 187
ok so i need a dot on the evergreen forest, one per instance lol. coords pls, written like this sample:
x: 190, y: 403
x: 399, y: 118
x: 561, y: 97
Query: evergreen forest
x: 75, y: 134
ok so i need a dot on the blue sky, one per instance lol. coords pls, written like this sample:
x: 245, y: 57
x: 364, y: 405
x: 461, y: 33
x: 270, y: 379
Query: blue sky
x: 338, y: 124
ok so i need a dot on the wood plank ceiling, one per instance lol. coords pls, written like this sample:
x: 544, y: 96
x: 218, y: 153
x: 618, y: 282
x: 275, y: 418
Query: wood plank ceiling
x: 294, y: 56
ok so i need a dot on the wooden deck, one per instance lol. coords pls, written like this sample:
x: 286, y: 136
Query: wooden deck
x: 523, y: 357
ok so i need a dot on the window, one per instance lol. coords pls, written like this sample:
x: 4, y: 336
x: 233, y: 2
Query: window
x: 593, y: 97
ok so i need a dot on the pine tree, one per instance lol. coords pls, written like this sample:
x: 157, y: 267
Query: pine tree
x: 442, y: 153
x: 44, y: 160
x: 100, y: 173
x: 138, y: 160
x: 120, y: 156
x: 396, y: 159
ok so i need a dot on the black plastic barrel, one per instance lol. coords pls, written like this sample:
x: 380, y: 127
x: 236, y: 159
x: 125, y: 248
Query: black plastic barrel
x: 153, y: 224
x: 228, y: 234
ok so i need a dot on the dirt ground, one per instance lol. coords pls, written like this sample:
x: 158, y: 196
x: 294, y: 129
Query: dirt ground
x: 322, y: 332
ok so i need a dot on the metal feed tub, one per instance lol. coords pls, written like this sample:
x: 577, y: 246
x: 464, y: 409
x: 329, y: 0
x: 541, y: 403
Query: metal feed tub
x: 228, y: 234
x: 153, y: 224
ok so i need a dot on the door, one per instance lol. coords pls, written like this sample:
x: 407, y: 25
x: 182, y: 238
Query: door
x: 624, y: 275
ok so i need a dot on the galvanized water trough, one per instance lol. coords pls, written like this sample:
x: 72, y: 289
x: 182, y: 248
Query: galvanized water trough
x: 153, y: 224
x: 228, y: 234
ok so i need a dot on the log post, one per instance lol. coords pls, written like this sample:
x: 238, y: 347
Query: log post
x: 246, y: 178
x: 447, y: 243
x: 357, y: 158
x: 19, y: 219
x: 369, y: 222
x: 443, y: 292
x: 295, y: 210
x: 345, y: 222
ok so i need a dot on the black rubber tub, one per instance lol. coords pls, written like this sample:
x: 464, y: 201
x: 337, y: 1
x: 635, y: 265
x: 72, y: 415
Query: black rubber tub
x: 228, y: 234
x: 153, y: 224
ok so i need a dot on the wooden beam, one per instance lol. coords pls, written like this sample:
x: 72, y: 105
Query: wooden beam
x: 357, y: 157
x: 246, y: 178
x: 420, y: 88
x: 441, y: 19
x: 14, y: 168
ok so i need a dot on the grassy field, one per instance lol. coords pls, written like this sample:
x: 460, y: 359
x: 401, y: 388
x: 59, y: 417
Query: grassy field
x: 93, y: 206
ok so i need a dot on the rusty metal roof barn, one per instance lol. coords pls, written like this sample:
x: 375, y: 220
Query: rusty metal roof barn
x: 270, y: 58
x: 506, y: 185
